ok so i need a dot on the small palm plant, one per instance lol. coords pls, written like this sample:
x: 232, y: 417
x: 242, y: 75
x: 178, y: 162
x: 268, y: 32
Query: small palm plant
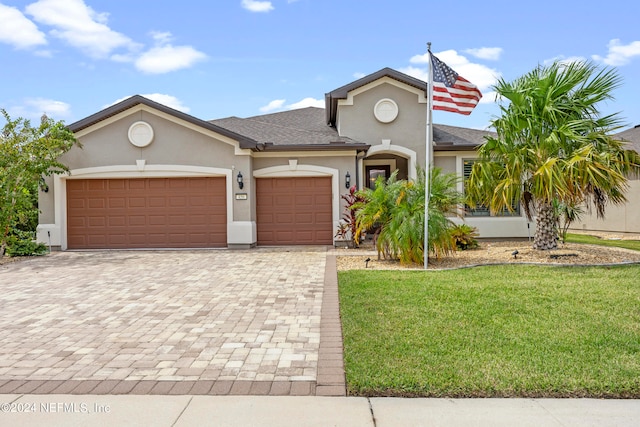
x: 396, y: 207
x: 464, y: 236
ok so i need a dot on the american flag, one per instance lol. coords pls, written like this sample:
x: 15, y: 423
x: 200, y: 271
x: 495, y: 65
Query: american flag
x: 451, y: 92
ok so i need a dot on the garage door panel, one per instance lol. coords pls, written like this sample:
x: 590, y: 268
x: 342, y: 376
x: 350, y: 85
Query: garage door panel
x: 157, y: 202
x: 117, y: 203
x: 283, y: 235
x: 177, y: 220
x: 139, y: 213
x: 197, y: 201
x: 99, y: 221
x: 284, y: 218
x: 95, y: 203
x: 135, y: 184
x: 137, y: 220
x: 177, y: 238
x: 94, y: 185
x: 294, y: 211
x: 283, y: 200
x: 305, y: 218
x: 136, y: 202
x: 115, y: 240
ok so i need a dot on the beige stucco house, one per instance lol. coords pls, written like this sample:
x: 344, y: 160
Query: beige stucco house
x: 148, y: 176
x: 623, y: 218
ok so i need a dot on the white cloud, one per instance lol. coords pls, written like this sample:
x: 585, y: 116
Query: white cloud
x: 478, y: 74
x: 80, y: 26
x: 161, y: 98
x: 306, y: 102
x: 163, y: 59
x: 257, y: 6
x: 162, y: 37
x: 34, y: 108
x: 490, y: 53
x: 564, y: 60
x: 279, y: 105
x: 619, y: 54
x: 17, y: 30
x: 274, y: 105
x: 359, y: 75
x: 418, y: 73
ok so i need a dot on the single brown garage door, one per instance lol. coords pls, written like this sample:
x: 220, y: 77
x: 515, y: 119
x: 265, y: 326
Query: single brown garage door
x: 146, y: 213
x: 294, y: 211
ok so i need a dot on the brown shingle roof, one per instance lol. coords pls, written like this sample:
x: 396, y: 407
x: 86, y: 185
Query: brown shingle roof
x: 448, y: 138
x: 295, y: 129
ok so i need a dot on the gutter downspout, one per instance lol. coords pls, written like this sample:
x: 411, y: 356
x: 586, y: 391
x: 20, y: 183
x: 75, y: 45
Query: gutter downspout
x: 359, y: 156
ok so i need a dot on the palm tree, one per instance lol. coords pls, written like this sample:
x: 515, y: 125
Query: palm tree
x: 396, y: 207
x: 552, y: 145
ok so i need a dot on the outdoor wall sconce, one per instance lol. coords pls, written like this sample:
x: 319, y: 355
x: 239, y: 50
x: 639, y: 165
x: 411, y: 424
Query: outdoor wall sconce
x: 43, y: 185
x: 240, y: 180
x: 347, y: 180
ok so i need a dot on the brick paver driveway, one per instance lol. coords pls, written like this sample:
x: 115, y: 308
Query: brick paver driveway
x: 167, y: 322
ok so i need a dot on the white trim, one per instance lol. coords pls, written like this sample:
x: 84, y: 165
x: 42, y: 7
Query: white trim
x: 386, y: 115
x: 285, y: 171
x: 140, y: 139
x: 407, y: 153
x: 242, y: 233
x: 59, y: 228
x: 422, y: 99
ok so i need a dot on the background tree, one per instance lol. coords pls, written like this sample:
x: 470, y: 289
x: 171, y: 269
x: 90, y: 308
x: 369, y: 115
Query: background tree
x: 553, y: 145
x: 27, y: 154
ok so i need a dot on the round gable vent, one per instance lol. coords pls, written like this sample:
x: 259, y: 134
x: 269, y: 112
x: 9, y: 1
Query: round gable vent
x: 140, y: 134
x: 386, y: 110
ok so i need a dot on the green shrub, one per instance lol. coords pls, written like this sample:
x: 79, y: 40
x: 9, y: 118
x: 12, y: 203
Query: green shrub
x: 464, y: 236
x: 22, y: 243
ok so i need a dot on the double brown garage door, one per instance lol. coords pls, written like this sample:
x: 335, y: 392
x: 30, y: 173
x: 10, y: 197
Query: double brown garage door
x: 191, y: 212
x: 146, y: 213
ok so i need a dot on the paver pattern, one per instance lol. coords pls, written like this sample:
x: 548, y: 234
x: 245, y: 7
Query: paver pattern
x: 165, y: 322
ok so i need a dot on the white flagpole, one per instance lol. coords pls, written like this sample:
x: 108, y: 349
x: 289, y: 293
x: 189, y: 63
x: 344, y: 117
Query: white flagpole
x: 427, y: 163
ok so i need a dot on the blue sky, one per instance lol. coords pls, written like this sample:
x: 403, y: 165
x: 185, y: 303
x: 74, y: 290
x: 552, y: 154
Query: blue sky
x: 214, y: 59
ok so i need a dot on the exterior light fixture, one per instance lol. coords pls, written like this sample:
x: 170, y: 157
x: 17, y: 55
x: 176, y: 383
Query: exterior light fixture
x: 347, y: 180
x: 240, y: 180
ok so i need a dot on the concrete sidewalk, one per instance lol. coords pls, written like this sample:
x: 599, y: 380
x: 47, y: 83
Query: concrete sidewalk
x: 283, y: 411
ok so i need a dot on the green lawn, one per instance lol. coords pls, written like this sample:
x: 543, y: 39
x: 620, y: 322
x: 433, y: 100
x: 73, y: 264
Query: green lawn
x: 583, y: 238
x: 493, y: 331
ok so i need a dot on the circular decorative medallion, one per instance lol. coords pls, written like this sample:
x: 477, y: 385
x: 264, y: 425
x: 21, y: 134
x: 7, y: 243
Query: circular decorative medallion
x: 386, y: 110
x: 140, y: 134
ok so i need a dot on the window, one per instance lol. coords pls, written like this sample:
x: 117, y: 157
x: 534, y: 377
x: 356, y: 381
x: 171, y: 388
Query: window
x: 482, y: 210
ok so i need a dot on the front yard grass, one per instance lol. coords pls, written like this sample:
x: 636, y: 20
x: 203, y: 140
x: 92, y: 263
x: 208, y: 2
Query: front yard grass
x: 493, y: 331
x: 592, y: 240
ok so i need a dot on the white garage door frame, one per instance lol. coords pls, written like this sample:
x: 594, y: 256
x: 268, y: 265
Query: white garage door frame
x: 56, y: 234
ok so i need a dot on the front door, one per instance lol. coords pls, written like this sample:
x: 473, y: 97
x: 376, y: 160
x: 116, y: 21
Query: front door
x: 373, y: 172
